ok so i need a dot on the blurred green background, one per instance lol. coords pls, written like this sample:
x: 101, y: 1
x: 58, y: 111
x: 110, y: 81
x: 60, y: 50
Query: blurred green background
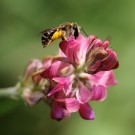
x: 20, y: 24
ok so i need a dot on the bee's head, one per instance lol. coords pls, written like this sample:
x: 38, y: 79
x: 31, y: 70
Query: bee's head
x: 75, y: 30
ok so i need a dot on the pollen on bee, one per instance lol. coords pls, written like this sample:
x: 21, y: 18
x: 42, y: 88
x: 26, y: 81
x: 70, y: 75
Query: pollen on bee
x: 57, y: 34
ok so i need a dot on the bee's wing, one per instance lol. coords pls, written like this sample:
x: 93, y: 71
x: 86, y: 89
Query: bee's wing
x: 51, y: 29
x: 46, y: 30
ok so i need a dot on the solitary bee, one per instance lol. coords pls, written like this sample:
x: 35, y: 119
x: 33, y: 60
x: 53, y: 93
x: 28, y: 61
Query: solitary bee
x: 62, y: 31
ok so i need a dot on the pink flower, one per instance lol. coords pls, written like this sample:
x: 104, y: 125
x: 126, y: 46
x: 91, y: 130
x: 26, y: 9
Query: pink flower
x: 90, y: 54
x: 55, y: 68
x: 80, y: 74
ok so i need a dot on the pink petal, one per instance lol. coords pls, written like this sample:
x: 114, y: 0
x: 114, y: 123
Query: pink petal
x: 92, y: 69
x: 57, y: 88
x: 65, y: 81
x: 61, y: 53
x: 110, y: 62
x: 84, y: 44
x: 32, y: 97
x: 83, y: 94
x: 58, y: 68
x: 99, y: 92
x: 104, y: 78
x: 70, y: 49
x: 63, y: 59
x: 91, y: 38
x: 62, y: 80
x: 94, y: 43
x: 56, y: 112
x: 98, y: 43
x: 52, y: 71
x: 72, y: 104
x: 66, y: 113
x: 47, y: 61
x: 59, y: 96
x: 86, y: 112
x: 75, y: 49
x: 105, y: 44
x: 33, y: 66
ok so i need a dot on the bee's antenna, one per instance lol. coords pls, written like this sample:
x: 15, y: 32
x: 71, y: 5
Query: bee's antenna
x: 83, y: 31
x: 109, y: 38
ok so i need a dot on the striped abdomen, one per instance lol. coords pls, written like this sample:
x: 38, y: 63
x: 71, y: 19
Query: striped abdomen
x: 50, y: 36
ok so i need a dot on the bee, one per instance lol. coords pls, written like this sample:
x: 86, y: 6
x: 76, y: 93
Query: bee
x: 63, y: 31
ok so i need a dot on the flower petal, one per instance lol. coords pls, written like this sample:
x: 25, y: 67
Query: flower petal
x: 72, y: 104
x: 32, y: 97
x: 66, y: 113
x: 86, y: 112
x: 99, y: 92
x: 56, y: 112
x: 62, y: 80
x: 33, y: 66
x: 57, y: 88
x: 104, y: 78
x: 105, y: 44
x: 83, y: 94
x: 75, y: 49
x: 58, y: 68
x: 51, y: 71
x: 98, y: 43
x: 65, y: 81
x: 47, y: 61
x: 61, y: 53
x: 92, y: 69
x: 110, y: 62
x: 94, y: 43
x: 62, y: 59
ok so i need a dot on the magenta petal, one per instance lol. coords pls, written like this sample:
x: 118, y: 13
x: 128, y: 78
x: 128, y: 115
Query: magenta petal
x: 105, y: 78
x: 75, y: 49
x: 59, y: 96
x: 86, y: 112
x: 68, y: 49
x: 52, y: 71
x: 58, y: 68
x: 57, y: 88
x: 65, y: 81
x: 94, y: 43
x: 98, y: 43
x: 105, y: 44
x: 61, y: 53
x: 92, y: 69
x: 47, y: 61
x: 110, y: 62
x: 56, y: 112
x: 84, y: 44
x: 62, y: 80
x: 66, y: 113
x: 83, y: 94
x: 62, y: 59
x: 99, y: 92
x: 91, y: 38
x: 72, y: 104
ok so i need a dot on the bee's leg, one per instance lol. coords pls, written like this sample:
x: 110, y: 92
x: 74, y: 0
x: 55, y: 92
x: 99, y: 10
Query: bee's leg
x: 64, y: 38
x: 45, y: 45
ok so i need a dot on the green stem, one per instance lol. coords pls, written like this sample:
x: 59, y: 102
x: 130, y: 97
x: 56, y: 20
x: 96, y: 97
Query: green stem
x: 10, y: 92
